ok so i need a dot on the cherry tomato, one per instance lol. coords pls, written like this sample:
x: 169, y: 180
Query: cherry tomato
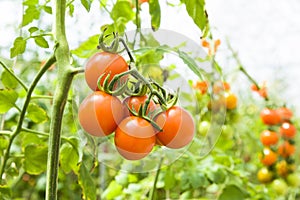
x: 103, y: 62
x: 230, y: 100
x: 268, y: 137
x: 293, y: 179
x: 264, y: 175
x: 134, y: 138
x: 100, y: 113
x: 268, y: 156
x: 203, y: 127
x: 279, y: 186
x: 286, y: 149
x: 220, y: 86
x: 202, y: 86
x: 287, y: 130
x: 135, y: 102
x: 178, y: 127
x: 270, y: 117
x: 285, y: 114
x: 282, y: 168
x: 227, y: 131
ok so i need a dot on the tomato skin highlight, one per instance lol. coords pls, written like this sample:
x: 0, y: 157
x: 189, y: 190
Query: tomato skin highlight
x: 134, y: 138
x: 178, y: 127
x: 264, y: 175
x: 268, y: 137
x: 270, y: 117
x: 100, y: 113
x: 103, y: 62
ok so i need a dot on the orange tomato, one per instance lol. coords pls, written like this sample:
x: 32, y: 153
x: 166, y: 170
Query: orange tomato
x: 134, y: 138
x: 268, y: 156
x: 270, y: 117
x: 285, y: 114
x: 178, y: 127
x: 268, y: 137
x: 135, y: 102
x: 202, y: 86
x: 103, y: 63
x: 287, y: 130
x: 286, y: 149
x: 230, y: 100
x: 99, y: 113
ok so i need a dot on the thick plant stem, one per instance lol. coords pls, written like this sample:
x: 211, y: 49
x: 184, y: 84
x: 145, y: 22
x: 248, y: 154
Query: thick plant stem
x: 65, y: 76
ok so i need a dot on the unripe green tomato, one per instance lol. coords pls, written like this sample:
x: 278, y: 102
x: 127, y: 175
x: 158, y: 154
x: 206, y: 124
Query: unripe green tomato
x: 203, y: 128
x: 293, y: 179
x: 227, y: 131
x: 279, y: 186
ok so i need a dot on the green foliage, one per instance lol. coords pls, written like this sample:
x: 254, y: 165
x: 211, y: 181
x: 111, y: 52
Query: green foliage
x: 69, y: 158
x: 36, y: 113
x: 86, y: 183
x: 87, y: 4
x: 40, y: 41
x: 87, y: 48
x: 8, y: 80
x: 154, y: 9
x: 8, y: 99
x: 36, y: 159
x: 196, y: 10
x: 18, y: 47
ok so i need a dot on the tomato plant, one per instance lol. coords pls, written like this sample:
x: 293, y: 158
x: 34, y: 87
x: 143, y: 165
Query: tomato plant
x: 178, y: 127
x: 286, y: 149
x: 135, y: 102
x: 268, y: 157
x: 134, y: 138
x: 264, y: 175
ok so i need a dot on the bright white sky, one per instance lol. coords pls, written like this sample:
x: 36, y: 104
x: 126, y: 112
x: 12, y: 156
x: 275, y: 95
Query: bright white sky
x: 266, y: 35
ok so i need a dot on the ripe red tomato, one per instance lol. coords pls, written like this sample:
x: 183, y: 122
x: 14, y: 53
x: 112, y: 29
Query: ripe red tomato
x: 270, y: 117
x: 135, y: 102
x: 288, y: 130
x: 286, y: 149
x: 285, y: 114
x: 103, y: 62
x: 268, y: 137
x: 268, y: 156
x: 178, y: 127
x: 134, y: 138
x: 100, y: 113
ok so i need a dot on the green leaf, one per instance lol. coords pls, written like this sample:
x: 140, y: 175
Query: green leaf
x: 8, y: 80
x: 68, y: 158
x: 71, y: 10
x: 48, y: 9
x: 190, y: 62
x: 35, y: 159
x: 154, y: 10
x: 40, y: 41
x: 31, y: 13
x: 196, y: 10
x: 18, y: 47
x: 86, y: 183
x: 5, y: 192
x: 233, y: 192
x: 30, y: 139
x: 122, y: 9
x: 8, y: 99
x: 113, y: 190
x: 30, y: 2
x: 87, y: 4
x: 36, y: 113
x: 217, y: 175
x: 87, y: 48
x: 33, y: 29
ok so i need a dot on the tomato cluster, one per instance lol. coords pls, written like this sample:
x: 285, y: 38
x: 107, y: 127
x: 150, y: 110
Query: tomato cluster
x: 139, y: 121
x: 279, y: 147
